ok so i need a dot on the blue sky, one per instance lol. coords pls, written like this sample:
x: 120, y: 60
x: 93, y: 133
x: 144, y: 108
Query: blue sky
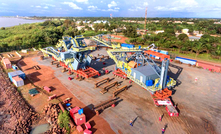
x: 118, y: 8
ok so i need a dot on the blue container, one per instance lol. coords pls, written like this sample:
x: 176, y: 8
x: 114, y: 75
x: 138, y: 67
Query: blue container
x: 127, y: 45
x: 14, y: 67
x: 139, y: 47
x: 68, y: 104
x: 149, y: 83
x: 16, y: 73
x: 186, y: 61
x: 81, y: 111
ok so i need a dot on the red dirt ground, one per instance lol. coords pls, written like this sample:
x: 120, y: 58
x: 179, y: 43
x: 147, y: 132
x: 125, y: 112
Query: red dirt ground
x: 122, y: 40
x: 45, y: 77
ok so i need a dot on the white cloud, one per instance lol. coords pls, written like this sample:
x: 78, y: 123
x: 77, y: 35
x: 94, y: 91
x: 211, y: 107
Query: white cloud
x: 92, y: 8
x: 101, y: 1
x: 82, y: 1
x: 46, y: 7
x: 137, y: 8
x: 179, y: 5
x: 50, y: 5
x: 116, y: 8
x: 160, y: 8
x: 4, y: 4
x: 72, y: 5
x: 145, y: 4
x: 112, y: 4
x: 112, y: 10
x: 38, y: 6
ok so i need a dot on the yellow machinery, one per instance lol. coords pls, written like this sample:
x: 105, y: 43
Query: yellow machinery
x: 123, y: 57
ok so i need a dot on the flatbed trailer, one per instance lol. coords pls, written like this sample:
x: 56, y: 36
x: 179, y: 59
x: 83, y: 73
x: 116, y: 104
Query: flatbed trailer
x: 170, y: 108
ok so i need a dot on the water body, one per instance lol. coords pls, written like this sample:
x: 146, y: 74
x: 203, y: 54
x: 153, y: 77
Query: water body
x: 40, y: 129
x: 9, y: 22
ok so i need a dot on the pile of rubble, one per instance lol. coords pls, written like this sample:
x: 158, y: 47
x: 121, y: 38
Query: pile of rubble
x: 51, y: 112
x: 16, y: 116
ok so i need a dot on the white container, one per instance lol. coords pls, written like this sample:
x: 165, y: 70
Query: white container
x: 17, y: 81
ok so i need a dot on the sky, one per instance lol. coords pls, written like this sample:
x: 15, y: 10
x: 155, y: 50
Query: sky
x: 118, y: 8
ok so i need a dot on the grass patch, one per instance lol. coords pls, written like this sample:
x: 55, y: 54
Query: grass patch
x: 93, y: 33
x: 203, y: 56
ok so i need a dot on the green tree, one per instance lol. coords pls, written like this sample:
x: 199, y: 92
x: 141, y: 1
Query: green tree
x: 199, y: 47
x: 82, y: 30
x: 163, y: 22
x: 81, y: 23
x: 67, y: 23
x: 133, y: 41
x: 191, y: 31
x: 183, y: 37
x: 106, y: 26
x: 63, y: 120
x: 130, y: 32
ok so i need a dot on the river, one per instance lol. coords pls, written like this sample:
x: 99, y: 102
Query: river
x: 9, y: 21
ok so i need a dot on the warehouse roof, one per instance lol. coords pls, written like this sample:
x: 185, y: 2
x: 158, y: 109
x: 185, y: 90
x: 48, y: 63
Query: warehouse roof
x: 146, y: 70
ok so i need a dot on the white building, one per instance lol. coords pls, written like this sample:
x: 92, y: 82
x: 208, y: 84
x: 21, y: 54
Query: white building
x: 80, y: 27
x: 185, y: 31
x: 101, y: 21
x: 159, y: 31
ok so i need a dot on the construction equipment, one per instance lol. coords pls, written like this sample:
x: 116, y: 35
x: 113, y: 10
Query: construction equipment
x: 138, y: 66
x: 36, y: 67
x: 52, y: 97
x: 106, y: 88
x: 172, y: 110
x: 119, y: 73
x: 105, y: 80
x: 67, y: 100
x: 119, y: 90
x: 104, y: 104
x: 71, y: 53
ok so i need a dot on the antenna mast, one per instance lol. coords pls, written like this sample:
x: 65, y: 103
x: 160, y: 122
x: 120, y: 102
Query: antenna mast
x: 145, y: 25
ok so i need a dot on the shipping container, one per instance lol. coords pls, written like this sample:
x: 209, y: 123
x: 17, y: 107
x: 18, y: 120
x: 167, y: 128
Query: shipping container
x: 79, y: 119
x: 186, y: 60
x: 87, y: 131
x: 74, y: 111
x: 149, y: 83
x: 127, y: 45
x: 47, y: 89
x: 17, y: 81
x: 16, y: 73
x: 80, y: 129
x: 7, y: 63
x: 215, y: 68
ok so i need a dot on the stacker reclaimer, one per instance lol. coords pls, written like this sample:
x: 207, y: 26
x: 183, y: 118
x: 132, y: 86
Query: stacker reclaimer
x: 72, y: 54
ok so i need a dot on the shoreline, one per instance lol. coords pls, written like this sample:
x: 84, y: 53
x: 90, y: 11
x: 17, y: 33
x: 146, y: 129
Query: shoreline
x: 16, y: 21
